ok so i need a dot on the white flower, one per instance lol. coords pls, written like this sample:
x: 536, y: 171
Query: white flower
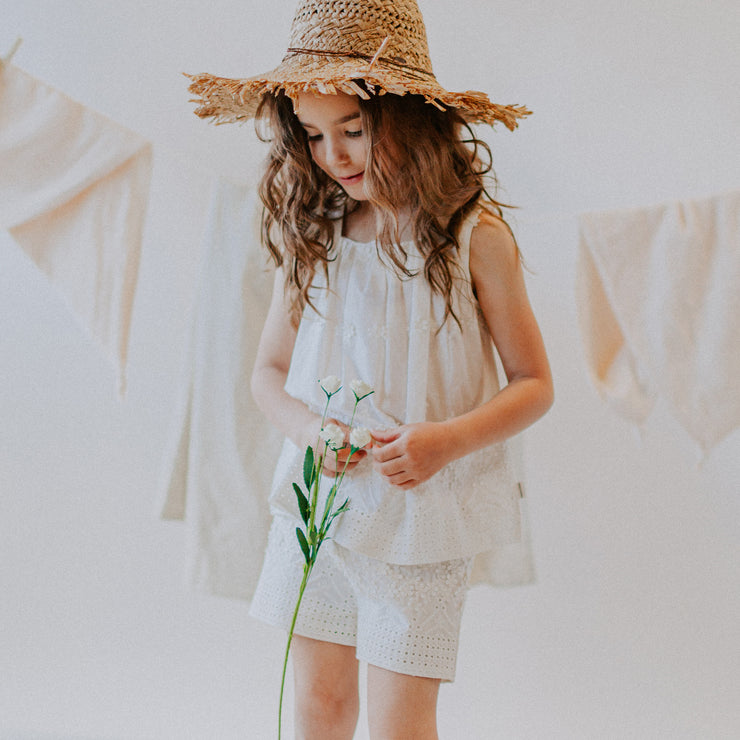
x: 361, y: 389
x: 330, y: 384
x: 333, y: 436
x: 359, y: 437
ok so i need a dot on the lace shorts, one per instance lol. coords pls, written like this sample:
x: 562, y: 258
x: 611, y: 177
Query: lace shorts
x: 405, y: 618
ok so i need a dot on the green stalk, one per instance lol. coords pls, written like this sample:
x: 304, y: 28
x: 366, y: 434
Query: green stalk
x: 306, y: 572
x: 313, y: 501
x: 308, y: 566
x: 352, y: 452
x: 314, y: 537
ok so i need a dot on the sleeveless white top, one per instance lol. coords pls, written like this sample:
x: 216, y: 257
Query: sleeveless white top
x: 373, y: 325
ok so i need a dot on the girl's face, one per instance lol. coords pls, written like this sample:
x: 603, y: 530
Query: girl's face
x: 337, y: 142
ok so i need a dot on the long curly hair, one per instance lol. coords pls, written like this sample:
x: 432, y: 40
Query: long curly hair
x: 422, y: 161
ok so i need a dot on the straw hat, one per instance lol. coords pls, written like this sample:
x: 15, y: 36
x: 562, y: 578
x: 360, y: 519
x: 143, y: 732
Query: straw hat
x: 335, y: 42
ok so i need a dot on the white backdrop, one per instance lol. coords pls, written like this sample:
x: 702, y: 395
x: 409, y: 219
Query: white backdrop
x: 632, y: 629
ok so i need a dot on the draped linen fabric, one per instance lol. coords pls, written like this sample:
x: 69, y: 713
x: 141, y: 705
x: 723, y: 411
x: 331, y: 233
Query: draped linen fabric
x: 219, y: 463
x: 74, y: 187
x: 659, y: 300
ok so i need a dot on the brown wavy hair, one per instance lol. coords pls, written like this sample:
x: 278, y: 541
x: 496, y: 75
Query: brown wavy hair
x: 422, y: 160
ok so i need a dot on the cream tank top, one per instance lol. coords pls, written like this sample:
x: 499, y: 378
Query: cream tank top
x: 373, y: 325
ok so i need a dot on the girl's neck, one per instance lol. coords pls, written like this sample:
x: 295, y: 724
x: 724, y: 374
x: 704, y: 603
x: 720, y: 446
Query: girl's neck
x: 361, y: 225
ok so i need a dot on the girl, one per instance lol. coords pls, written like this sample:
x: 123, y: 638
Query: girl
x: 393, y: 266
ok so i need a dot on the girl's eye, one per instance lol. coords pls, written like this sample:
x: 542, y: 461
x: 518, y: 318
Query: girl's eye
x: 354, y: 134
x: 315, y: 137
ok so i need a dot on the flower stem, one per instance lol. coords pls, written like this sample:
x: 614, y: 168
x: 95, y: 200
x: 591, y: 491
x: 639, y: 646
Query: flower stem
x: 312, y: 537
x: 306, y: 572
x: 351, y: 451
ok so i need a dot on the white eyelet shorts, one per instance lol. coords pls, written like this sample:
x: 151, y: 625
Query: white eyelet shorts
x: 405, y: 618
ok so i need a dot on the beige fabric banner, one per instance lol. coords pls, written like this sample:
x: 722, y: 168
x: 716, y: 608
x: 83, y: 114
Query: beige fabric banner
x: 659, y: 306
x: 74, y: 187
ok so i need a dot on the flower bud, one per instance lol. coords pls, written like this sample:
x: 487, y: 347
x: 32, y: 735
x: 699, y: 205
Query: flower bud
x: 361, y: 389
x: 360, y: 437
x: 330, y: 384
x: 333, y: 436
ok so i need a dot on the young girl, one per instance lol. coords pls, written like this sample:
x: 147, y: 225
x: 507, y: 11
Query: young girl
x: 393, y: 266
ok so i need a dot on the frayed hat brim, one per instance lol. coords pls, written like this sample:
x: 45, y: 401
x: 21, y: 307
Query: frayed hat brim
x: 227, y: 100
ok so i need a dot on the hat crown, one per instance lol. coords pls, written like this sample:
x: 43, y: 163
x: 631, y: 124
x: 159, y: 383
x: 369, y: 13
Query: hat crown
x: 359, y: 27
x: 334, y: 43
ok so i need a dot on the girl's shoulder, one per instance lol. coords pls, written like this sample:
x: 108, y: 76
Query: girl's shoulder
x: 492, y: 236
x: 493, y: 249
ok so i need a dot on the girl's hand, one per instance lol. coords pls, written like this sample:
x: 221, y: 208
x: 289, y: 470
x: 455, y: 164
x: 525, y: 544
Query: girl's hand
x: 334, y: 462
x: 411, y: 454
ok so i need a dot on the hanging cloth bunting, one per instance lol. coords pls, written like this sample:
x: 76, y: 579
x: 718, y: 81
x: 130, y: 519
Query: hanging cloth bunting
x: 73, y: 193
x: 659, y: 304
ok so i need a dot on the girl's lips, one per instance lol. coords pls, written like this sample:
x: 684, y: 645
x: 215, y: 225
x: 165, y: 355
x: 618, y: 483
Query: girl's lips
x: 351, y: 180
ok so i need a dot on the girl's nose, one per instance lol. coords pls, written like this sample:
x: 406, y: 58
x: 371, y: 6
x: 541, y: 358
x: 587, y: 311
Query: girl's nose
x: 336, y: 152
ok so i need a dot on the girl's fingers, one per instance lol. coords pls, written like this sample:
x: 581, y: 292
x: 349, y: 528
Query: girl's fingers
x: 386, y: 453
x: 384, y: 436
x: 385, y: 449
x: 401, y: 480
x: 390, y: 467
x: 393, y: 469
x: 335, y: 463
x: 344, y: 455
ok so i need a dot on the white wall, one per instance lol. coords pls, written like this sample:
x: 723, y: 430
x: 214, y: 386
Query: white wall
x: 632, y: 630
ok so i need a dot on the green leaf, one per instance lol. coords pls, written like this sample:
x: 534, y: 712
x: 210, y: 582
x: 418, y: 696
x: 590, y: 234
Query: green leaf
x: 302, y: 503
x: 304, y: 545
x: 332, y: 518
x: 308, y: 471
